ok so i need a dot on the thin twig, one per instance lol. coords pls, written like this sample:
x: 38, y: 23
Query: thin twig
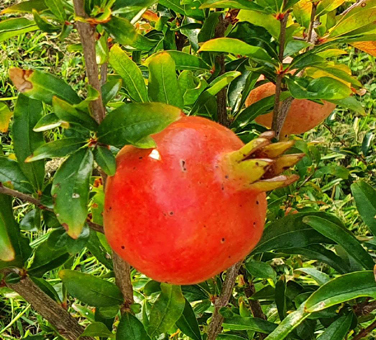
x: 122, y: 272
x: 38, y: 204
x: 358, y: 3
x: 87, y: 36
x: 66, y: 325
x: 312, y: 23
x: 222, y: 301
x: 364, y: 332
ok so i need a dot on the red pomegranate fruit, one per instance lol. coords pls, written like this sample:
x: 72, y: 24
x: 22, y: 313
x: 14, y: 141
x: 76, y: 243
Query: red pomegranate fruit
x: 194, y: 205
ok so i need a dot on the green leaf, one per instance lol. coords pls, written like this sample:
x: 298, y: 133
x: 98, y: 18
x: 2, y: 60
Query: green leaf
x: 105, y: 159
x: 268, y: 21
x: 70, y: 191
x: 26, y: 7
x: 5, y: 115
x: 57, y: 8
x: 130, y: 328
x: 167, y: 310
x: 43, y: 24
x: 26, y: 114
x: 320, y: 277
x: 163, y: 82
x: 280, y: 297
x: 338, y: 329
x: 130, y: 5
x: 341, y: 235
x: 15, y: 26
x: 91, y: 290
x: 237, y: 47
x: 42, y: 86
x: 350, y: 103
x: 341, y: 289
x: 239, y: 323
x: 319, y: 88
x: 367, y: 143
x: 14, y: 248
x: 130, y: 73
x: 365, y: 199
x: 58, y: 148
x: 222, y: 81
x: 31, y: 221
x: 183, y: 61
x: 237, y: 4
x: 111, y: 89
x: 97, y: 249
x: 288, y: 324
x: 125, y: 33
x: 47, y: 288
x: 326, y: 6
x: 133, y: 122
x: 48, y: 122
x: 260, y: 270
x: 188, y: 323
x: 68, y: 113
x: 12, y: 176
x: 98, y: 329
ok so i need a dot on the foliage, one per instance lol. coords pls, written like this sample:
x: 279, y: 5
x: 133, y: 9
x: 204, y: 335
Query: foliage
x: 311, y: 276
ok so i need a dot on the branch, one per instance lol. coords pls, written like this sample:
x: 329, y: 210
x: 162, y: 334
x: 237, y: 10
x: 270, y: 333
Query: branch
x: 66, y: 325
x: 38, y: 203
x: 312, y: 23
x: 227, y: 288
x: 363, y: 333
x: 122, y: 272
x: 87, y: 37
x: 358, y: 3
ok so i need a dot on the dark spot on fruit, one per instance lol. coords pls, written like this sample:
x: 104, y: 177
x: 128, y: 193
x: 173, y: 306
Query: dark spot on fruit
x: 182, y: 165
x: 223, y: 187
x: 229, y: 257
x: 257, y: 163
x: 204, y: 226
x: 226, y: 176
x: 257, y: 202
x: 254, y: 224
x: 134, y: 168
x: 171, y: 213
x: 216, y: 166
x: 110, y: 208
x: 122, y: 247
x: 140, y: 157
x: 223, y: 240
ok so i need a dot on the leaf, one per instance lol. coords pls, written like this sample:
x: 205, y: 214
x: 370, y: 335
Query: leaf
x: 130, y: 328
x: 163, y: 82
x: 130, y: 73
x: 70, y: 191
x: 350, y: 103
x: 15, y: 26
x: 339, y: 234
x: 58, y: 148
x: 183, y: 61
x: 27, y: 113
x: 130, y: 5
x: 12, y: 176
x: 341, y: 289
x: 326, y: 6
x: 260, y: 270
x: 338, y: 329
x: 42, y: 86
x: 237, y: 47
x: 70, y: 114
x: 98, y: 329
x: 26, y: 7
x: 249, y: 324
x: 320, y: 88
x: 365, y: 200
x: 14, y: 248
x: 268, y: 21
x: 367, y: 143
x: 237, y: 4
x: 105, y: 159
x: 320, y: 277
x: 166, y: 310
x: 57, y: 8
x: 188, y: 323
x: 48, y: 122
x: 288, y: 324
x: 5, y: 115
x: 43, y: 24
x: 47, y: 288
x: 366, y: 46
x: 131, y: 123
x: 31, y: 221
x: 111, y: 89
x: 91, y: 290
x: 125, y: 33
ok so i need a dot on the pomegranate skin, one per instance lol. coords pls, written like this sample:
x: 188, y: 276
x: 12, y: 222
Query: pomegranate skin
x: 169, y: 211
x: 303, y: 115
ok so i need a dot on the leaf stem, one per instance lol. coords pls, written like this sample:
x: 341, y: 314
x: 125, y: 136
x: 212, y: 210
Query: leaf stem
x: 364, y: 332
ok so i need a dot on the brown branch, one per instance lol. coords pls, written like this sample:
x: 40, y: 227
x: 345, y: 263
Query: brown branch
x: 364, y: 332
x: 358, y: 3
x: 312, y: 23
x: 87, y: 36
x: 38, y: 204
x: 222, y: 301
x: 66, y: 325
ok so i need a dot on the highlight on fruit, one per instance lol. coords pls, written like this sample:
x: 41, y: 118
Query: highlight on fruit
x: 196, y: 204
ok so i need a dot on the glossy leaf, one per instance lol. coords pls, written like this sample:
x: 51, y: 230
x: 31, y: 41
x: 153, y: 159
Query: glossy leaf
x: 42, y: 86
x: 129, y: 5
x: 338, y: 329
x: 15, y: 26
x: 238, y: 4
x: 342, y: 289
x: 47, y: 288
x: 43, y: 24
x: 12, y: 176
x: 260, y: 270
x: 239, y: 323
x: 48, y: 122
x: 130, y: 73
x: 98, y: 329
x: 57, y: 8
x: 367, y: 143
x: 166, y: 310
x: 90, y: 289
x: 163, y: 82
x: 188, y: 323
x: 339, y: 234
x: 268, y: 21
x: 5, y: 115
x: 111, y: 89
x: 365, y: 199
x: 7, y: 252
x: 70, y: 191
x: 350, y: 103
x: 133, y: 122
x: 105, y: 159
x: 31, y: 221
x: 130, y: 328
x: 326, y: 6
x: 58, y: 148
x: 26, y: 7
x: 320, y: 277
x: 183, y: 61
x: 26, y: 114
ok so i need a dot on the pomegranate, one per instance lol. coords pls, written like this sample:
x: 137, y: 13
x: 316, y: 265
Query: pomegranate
x: 194, y: 205
x: 303, y: 115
